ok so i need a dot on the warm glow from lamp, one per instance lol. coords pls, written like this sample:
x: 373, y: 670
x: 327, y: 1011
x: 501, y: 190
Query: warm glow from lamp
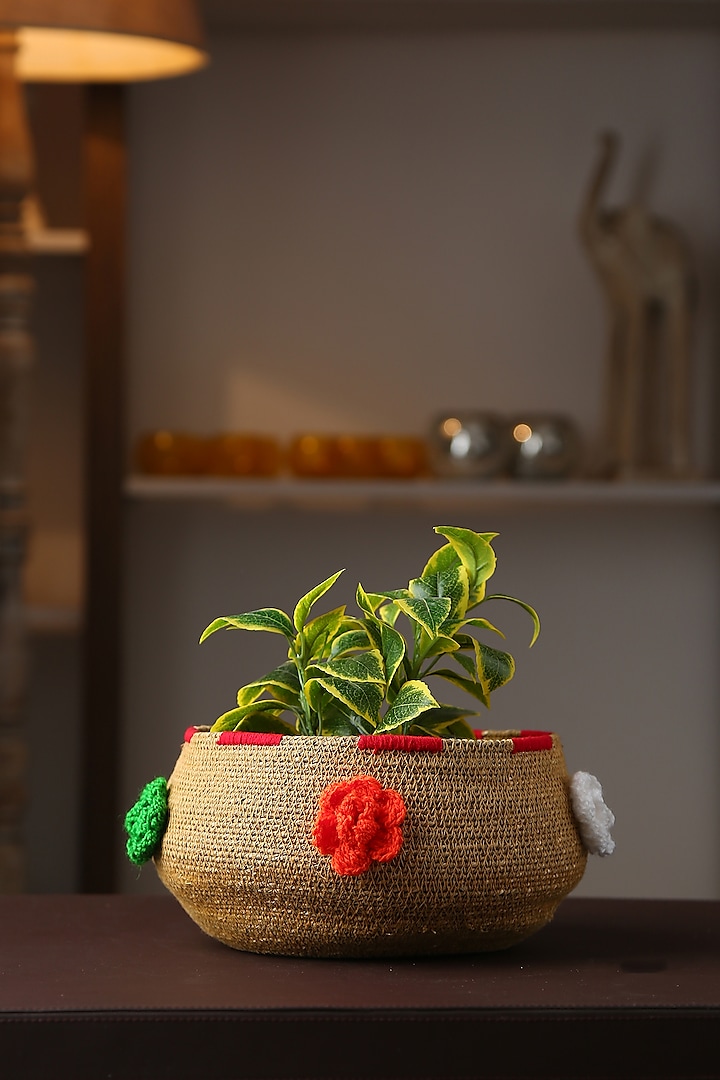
x: 80, y: 56
x: 103, y: 40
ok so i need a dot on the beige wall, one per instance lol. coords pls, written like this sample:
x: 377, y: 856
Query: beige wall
x: 341, y: 232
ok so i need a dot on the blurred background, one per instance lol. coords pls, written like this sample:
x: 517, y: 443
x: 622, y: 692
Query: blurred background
x: 358, y: 217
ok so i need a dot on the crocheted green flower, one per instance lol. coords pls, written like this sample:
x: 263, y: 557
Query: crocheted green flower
x: 145, y: 822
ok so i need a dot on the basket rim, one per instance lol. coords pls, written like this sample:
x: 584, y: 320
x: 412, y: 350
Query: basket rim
x: 518, y: 740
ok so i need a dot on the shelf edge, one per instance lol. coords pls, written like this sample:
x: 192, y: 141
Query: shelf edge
x: 337, y: 493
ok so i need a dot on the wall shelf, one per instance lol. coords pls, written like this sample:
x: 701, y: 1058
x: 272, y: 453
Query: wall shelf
x: 329, y: 494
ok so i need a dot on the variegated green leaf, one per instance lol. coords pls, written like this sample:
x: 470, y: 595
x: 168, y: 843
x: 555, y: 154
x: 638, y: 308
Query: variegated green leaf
x: 364, y: 699
x: 290, y: 698
x: 483, y: 657
x: 373, y: 628
x: 459, y: 730
x: 316, y: 697
x: 430, y: 724
x: 420, y: 589
x: 489, y: 667
x: 247, y: 694
x: 429, y: 614
x: 365, y: 667
x: 495, y: 668
x: 371, y: 621
x: 266, y: 722
x: 230, y: 721
x: 413, y: 699
x: 337, y: 712
x: 272, y: 619
x: 283, y: 683
x: 338, y: 724
x: 368, y: 602
x: 446, y: 714
x: 477, y: 556
x: 482, y: 624
x: 349, y: 642
x: 321, y: 630
x: 526, y: 607
x: 442, y: 645
x: 337, y: 718
x: 476, y: 689
x: 302, y: 608
x: 467, y: 641
x: 446, y: 575
x: 469, y: 663
x: 392, y: 645
x: 378, y: 598
x: 389, y: 613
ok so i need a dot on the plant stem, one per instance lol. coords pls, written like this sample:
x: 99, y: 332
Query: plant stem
x: 431, y: 665
x: 299, y: 661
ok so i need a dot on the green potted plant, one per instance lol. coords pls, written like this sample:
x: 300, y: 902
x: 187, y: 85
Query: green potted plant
x: 339, y: 809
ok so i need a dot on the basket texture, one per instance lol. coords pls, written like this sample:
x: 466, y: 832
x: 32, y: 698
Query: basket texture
x: 489, y: 846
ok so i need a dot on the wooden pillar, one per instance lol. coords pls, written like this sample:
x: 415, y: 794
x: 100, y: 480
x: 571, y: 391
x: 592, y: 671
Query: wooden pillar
x: 105, y: 192
x: 16, y: 354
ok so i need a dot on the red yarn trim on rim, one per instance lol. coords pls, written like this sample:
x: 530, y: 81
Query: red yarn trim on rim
x: 408, y: 743
x: 541, y: 741
x: 478, y: 733
x: 189, y: 732
x: 249, y: 738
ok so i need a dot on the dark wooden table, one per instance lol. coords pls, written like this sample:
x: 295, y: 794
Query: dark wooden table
x: 128, y: 987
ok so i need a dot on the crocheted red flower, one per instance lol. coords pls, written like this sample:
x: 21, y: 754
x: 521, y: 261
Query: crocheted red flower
x: 358, y: 824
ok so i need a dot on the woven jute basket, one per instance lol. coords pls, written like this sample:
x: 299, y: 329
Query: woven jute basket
x: 489, y: 844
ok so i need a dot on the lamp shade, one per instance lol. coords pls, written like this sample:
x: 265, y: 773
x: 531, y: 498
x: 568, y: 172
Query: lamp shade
x: 103, y: 40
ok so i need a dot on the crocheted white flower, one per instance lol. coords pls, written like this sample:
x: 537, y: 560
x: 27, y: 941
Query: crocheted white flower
x: 594, y: 818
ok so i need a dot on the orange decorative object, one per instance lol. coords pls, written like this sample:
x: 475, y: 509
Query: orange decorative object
x: 171, y: 453
x: 358, y: 824
x: 238, y: 454
x: 401, y: 456
x: 357, y: 455
x: 313, y: 455
x: 361, y: 456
